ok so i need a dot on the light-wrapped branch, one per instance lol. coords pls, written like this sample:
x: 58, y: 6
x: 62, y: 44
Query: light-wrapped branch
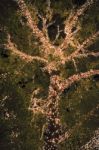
x: 81, y: 50
x: 93, y: 143
x: 73, y: 18
x: 37, y: 105
x: 86, y: 43
x: 94, y: 54
x: 77, y: 77
x: 47, y: 46
x: 84, y: 55
x: 28, y: 58
x: 71, y: 22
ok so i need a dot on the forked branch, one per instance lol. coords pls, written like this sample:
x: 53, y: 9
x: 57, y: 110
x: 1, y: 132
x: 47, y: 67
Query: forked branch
x: 47, y: 46
x: 73, y: 18
x: 81, y: 50
x: 71, y: 22
x: 86, y: 43
x: 37, y: 105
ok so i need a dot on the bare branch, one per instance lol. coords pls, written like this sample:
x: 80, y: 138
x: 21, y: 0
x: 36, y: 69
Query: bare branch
x: 43, y: 129
x: 50, y: 23
x: 75, y: 65
x: 44, y: 22
x: 58, y: 34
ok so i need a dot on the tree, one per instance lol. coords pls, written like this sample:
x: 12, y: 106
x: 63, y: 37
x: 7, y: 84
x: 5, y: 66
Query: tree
x: 63, y: 60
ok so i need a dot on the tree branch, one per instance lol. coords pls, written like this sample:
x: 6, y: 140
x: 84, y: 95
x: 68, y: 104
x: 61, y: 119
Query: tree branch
x: 13, y: 48
x: 44, y: 22
x: 74, y: 62
x: 84, y: 55
x: 82, y: 48
x: 58, y: 34
x: 71, y: 22
x: 86, y: 43
x: 76, y: 78
x: 73, y: 18
x: 93, y: 143
x: 47, y: 46
x: 94, y: 54
x: 37, y: 105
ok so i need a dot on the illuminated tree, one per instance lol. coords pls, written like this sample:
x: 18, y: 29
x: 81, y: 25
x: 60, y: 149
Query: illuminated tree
x: 64, y: 46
